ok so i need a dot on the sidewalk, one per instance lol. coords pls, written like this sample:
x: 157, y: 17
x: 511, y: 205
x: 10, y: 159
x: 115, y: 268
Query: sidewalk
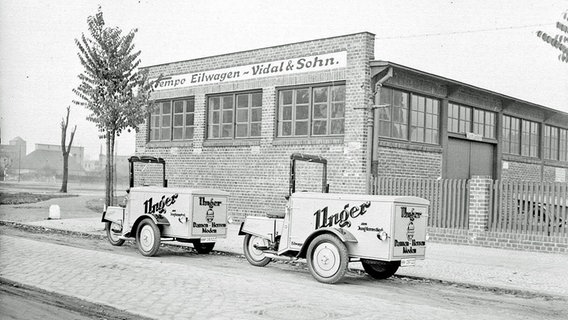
x: 534, y: 272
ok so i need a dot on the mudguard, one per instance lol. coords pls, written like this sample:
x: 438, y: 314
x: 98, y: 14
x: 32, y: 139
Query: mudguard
x: 343, y: 235
x: 158, y: 220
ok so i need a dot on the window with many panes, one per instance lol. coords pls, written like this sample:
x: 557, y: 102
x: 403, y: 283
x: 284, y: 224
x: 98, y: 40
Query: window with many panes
x: 462, y: 119
x: 396, y: 118
x: 555, y: 143
x: 234, y: 116
x: 424, y: 119
x: 520, y: 137
x: 311, y: 111
x: 529, y: 138
x: 173, y: 120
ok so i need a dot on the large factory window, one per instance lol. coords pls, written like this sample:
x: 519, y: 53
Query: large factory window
x: 520, y: 137
x: 236, y: 115
x: 462, y: 119
x: 395, y: 120
x: 311, y: 111
x: 172, y: 120
x: 555, y: 143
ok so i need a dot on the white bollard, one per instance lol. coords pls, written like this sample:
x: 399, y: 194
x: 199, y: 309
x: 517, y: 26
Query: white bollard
x: 54, y: 212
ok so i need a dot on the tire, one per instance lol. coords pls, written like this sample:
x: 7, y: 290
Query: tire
x: 203, y: 248
x: 254, y: 256
x: 148, y: 238
x: 327, y: 258
x: 380, y: 269
x: 113, y: 236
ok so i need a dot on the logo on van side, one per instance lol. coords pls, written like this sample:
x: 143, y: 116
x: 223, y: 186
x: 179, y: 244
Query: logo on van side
x: 341, y: 218
x: 160, y: 207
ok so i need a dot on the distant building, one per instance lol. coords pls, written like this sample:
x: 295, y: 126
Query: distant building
x: 78, y: 153
x: 49, y: 162
x: 11, y: 156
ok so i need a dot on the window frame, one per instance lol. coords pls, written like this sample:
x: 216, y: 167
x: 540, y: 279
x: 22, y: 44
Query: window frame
x: 286, y: 113
x: 235, y: 123
x: 159, y: 104
x: 408, y: 110
x: 560, y: 142
x: 533, y: 144
x: 478, y: 121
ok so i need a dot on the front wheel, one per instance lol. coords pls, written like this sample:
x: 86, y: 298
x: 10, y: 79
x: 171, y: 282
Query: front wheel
x: 113, y: 236
x: 327, y: 258
x: 380, y: 269
x: 203, y: 248
x: 148, y: 238
x: 254, y: 256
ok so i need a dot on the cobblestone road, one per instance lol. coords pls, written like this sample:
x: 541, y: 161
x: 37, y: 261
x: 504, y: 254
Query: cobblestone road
x: 173, y: 287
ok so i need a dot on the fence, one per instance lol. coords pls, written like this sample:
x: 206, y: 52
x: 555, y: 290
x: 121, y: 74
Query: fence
x: 529, y: 208
x: 448, y: 198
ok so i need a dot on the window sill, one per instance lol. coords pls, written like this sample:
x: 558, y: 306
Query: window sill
x: 416, y: 146
x: 555, y: 163
x: 523, y: 159
x: 231, y: 143
x: 307, y: 141
x: 166, y: 144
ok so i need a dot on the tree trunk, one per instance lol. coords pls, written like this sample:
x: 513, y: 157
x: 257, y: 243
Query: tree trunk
x: 108, y: 169
x: 112, y: 164
x: 65, y: 172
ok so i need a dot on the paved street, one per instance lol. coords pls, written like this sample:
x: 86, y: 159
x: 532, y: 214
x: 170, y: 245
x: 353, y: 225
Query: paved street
x: 187, y: 286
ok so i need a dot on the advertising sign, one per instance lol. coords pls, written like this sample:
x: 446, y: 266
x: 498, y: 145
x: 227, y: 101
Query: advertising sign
x: 410, y: 231
x: 209, y: 216
x: 320, y: 62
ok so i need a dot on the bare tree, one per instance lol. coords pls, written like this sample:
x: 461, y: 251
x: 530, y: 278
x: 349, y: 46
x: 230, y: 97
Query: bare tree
x: 66, y: 150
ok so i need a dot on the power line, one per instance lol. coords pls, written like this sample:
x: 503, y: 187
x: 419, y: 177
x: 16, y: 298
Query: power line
x: 464, y: 32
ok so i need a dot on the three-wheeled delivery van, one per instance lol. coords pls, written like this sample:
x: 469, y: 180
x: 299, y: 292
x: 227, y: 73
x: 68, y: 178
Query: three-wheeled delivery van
x: 153, y: 214
x: 330, y: 230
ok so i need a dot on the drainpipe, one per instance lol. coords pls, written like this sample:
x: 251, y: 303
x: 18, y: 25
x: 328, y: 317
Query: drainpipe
x: 373, y: 132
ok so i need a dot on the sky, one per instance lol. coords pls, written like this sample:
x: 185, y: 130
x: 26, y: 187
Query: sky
x: 485, y: 43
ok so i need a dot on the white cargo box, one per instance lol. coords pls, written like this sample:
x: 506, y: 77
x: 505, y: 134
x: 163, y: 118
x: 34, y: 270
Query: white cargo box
x: 404, y: 220
x: 190, y: 213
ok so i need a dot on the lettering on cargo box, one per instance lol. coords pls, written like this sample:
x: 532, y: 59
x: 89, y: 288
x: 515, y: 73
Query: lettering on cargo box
x: 340, y: 219
x: 159, y: 207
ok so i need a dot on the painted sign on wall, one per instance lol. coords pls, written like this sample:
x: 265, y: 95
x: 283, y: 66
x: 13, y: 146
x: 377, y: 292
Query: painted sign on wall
x: 320, y: 62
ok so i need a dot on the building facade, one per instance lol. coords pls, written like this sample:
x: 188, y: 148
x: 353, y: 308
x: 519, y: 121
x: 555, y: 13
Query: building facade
x: 232, y: 121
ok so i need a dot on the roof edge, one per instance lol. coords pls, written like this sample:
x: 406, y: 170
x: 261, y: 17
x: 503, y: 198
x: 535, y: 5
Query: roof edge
x: 383, y: 63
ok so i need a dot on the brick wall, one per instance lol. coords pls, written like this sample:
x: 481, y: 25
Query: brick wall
x: 255, y: 173
x: 521, y: 171
x: 408, y: 162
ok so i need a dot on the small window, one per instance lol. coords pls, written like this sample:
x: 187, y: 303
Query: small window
x: 173, y: 120
x: 311, y: 111
x: 235, y: 116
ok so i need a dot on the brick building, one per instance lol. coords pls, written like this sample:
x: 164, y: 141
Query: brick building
x: 231, y: 122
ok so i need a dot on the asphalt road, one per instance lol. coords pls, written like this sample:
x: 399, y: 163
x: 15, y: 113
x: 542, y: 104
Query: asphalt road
x: 179, y: 284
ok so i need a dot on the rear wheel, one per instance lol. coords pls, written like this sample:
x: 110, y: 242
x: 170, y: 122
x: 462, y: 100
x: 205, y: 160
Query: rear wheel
x: 255, y: 256
x: 113, y: 236
x: 327, y: 258
x: 203, y: 247
x: 148, y: 238
x: 380, y: 269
